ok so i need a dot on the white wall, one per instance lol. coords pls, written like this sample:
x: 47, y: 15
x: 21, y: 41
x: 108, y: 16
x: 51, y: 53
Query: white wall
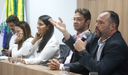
x: 1, y: 7
x: 55, y: 8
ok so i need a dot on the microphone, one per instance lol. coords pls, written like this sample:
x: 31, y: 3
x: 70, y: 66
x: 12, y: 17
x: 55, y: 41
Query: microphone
x: 87, y: 33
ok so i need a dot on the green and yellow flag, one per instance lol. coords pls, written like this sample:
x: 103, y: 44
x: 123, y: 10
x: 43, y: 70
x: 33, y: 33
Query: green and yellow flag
x: 20, y: 9
x: 11, y: 7
x: 14, y: 7
x: 10, y: 10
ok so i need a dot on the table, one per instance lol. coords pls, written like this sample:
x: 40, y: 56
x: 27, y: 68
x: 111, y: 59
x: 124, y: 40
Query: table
x: 7, y: 68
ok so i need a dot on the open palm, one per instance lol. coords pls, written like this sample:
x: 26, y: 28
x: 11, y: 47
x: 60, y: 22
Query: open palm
x: 59, y: 25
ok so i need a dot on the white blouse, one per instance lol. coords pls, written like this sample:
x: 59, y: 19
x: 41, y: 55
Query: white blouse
x: 24, y: 51
x: 50, y: 51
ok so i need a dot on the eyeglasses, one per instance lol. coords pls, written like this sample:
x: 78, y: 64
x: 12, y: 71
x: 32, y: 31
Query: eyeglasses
x: 77, y: 19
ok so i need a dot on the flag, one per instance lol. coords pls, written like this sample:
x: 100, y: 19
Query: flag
x: 2, y: 29
x: 11, y: 7
x: 10, y: 10
x: 5, y: 34
x: 20, y: 9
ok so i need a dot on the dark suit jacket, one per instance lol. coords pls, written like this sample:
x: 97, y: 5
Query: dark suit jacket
x: 9, y: 35
x: 74, y: 64
x: 114, y: 56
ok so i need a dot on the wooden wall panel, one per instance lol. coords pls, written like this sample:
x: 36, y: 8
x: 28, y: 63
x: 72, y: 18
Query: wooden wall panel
x: 82, y: 3
x: 97, y: 6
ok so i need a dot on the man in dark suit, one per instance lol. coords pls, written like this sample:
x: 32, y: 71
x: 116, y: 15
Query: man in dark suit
x: 106, y: 52
x: 68, y: 58
x: 11, y: 21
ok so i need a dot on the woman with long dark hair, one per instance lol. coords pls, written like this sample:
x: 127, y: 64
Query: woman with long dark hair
x: 45, y: 46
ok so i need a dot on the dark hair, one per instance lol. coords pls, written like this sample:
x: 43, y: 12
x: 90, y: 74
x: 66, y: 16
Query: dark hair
x: 48, y: 33
x: 85, y: 12
x: 26, y: 30
x: 12, y: 18
x: 114, y: 18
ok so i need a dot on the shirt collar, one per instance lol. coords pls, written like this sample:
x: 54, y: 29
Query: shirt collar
x: 81, y: 34
x: 104, y: 41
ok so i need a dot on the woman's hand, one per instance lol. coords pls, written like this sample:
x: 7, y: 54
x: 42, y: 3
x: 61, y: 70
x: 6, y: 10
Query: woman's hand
x: 37, y: 37
x: 19, y: 38
x: 12, y: 59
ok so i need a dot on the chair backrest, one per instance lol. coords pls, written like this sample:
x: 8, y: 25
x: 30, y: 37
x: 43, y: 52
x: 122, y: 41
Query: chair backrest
x: 62, y: 48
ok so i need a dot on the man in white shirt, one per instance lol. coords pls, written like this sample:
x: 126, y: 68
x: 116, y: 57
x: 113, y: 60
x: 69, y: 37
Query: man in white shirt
x: 68, y: 58
x: 11, y: 21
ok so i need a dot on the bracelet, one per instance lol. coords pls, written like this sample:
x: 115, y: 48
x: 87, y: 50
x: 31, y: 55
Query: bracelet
x: 81, y: 53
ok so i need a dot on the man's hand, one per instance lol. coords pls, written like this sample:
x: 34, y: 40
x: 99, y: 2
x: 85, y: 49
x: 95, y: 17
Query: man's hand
x: 54, y: 64
x: 6, y: 52
x: 80, y: 45
x: 61, y: 27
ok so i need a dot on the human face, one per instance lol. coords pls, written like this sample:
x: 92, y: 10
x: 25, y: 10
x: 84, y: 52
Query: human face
x: 42, y: 28
x: 12, y: 26
x: 79, y: 23
x: 18, y: 31
x: 102, y: 25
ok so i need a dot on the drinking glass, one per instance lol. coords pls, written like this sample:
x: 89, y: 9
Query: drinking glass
x: 10, y: 60
x: 19, y: 61
x: 66, y: 70
x: 15, y: 60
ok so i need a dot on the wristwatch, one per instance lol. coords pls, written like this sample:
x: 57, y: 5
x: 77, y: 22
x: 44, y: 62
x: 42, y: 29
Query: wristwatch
x: 81, y: 53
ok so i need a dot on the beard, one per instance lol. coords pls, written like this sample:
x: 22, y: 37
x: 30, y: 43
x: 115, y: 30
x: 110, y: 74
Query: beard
x: 103, y: 33
x: 13, y: 30
x: 80, y: 28
x: 98, y: 34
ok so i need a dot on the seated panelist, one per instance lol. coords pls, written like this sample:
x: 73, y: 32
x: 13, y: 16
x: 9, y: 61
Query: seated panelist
x: 106, y: 52
x: 11, y: 36
x: 22, y: 44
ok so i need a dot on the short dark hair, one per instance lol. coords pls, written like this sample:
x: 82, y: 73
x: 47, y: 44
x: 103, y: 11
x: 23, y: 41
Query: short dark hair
x: 47, y: 36
x: 85, y: 12
x: 114, y: 18
x: 12, y: 18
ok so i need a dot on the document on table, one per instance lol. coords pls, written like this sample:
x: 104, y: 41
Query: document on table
x: 3, y: 57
